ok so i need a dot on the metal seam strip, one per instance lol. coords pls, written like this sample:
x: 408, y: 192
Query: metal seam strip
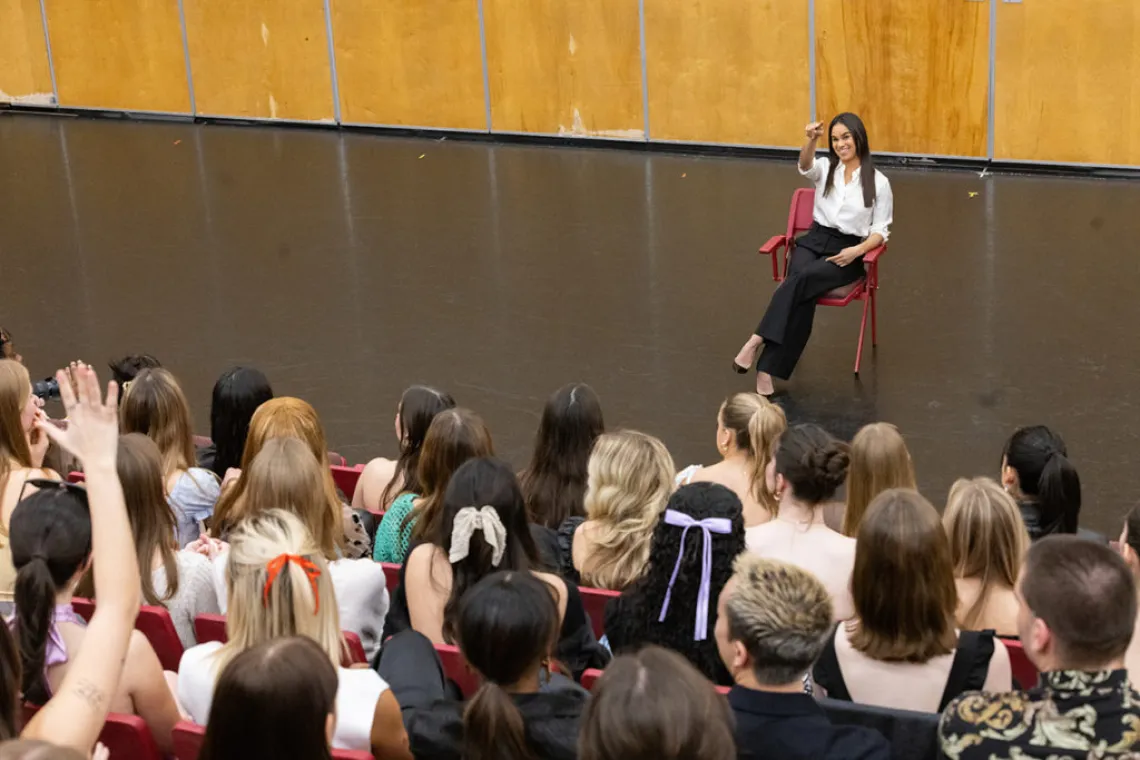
x: 811, y: 59
x: 486, y: 74
x: 186, y: 55
x: 644, y: 69
x: 332, y: 63
x: 992, y: 121
x: 51, y: 59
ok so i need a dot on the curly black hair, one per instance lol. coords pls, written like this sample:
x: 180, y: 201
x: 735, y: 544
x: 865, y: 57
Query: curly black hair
x: 632, y: 619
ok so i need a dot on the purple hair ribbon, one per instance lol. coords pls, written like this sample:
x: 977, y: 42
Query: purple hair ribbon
x: 708, y: 526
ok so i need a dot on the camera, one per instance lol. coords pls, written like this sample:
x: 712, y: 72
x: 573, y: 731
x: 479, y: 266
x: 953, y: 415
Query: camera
x: 46, y: 389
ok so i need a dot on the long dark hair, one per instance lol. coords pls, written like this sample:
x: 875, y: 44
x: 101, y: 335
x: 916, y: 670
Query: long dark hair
x: 51, y: 539
x: 10, y: 684
x: 152, y: 521
x: 237, y: 394
x: 1046, y: 476
x: 418, y: 407
x: 272, y: 700
x: 642, y: 602
x: 508, y: 625
x: 862, y: 149
x: 479, y: 483
x: 554, y: 483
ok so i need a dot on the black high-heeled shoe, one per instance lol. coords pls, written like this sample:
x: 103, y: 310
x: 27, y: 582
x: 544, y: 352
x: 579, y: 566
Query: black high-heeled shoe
x: 738, y: 369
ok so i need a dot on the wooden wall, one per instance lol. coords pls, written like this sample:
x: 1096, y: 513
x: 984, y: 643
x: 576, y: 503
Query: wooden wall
x: 737, y: 72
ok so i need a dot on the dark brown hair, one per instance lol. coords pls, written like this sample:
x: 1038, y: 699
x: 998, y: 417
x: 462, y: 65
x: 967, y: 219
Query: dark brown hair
x: 813, y: 461
x: 554, y: 483
x: 10, y: 683
x: 1132, y: 529
x: 272, y: 700
x: 862, y: 148
x: 455, y: 435
x: 418, y: 407
x: 1046, y: 476
x: 1085, y: 593
x: 152, y: 521
x: 903, y: 581
x: 654, y: 705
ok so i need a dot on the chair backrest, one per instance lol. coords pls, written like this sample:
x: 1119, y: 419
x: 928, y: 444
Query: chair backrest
x: 457, y: 669
x: 188, y: 739
x: 76, y: 477
x: 337, y: 459
x: 155, y: 623
x: 800, y: 213
x: 911, y: 734
x: 210, y: 628
x: 123, y: 735
x: 345, y: 478
x: 391, y: 575
x: 595, y: 600
x: 589, y: 677
x: 355, y: 649
x: 84, y: 608
x: 1024, y: 671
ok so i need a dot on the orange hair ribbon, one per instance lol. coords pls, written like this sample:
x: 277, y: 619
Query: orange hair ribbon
x: 278, y: 563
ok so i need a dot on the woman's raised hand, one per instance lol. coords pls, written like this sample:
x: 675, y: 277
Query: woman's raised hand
x: 92, y: 433
x: 814, y: 131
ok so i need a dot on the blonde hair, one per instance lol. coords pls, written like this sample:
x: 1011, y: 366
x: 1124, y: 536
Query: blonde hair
x: 290, y: 608
x: 756, y: 423
x: 629, y: 480
x: 988, y: 539
x: 153, y: 404
x: 15, y: 389
x: 879, y: 461
x: 286, y: 417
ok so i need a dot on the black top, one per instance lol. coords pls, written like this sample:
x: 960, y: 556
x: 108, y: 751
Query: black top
x: 551, y: 722
x: 794, y: 727
x: 1040, y: 525
x: 566, y: 549
x: 967, y: 672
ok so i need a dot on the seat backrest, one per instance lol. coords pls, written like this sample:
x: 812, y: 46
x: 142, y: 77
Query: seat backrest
x: 595, y: 600
x: 800, y: 213
x: 188, y: 738
x: 391, y: 575
x: 84, y: 608
x: 457, y: 669
x: 911, y: 734
x: 156, y: 624
x: 128, y: 736
x: 210, y: 628
x: 76, y: 477
x: 589, y: 677
x: 345, y: 479
x: 354, y: 654
x: 1024, y: 671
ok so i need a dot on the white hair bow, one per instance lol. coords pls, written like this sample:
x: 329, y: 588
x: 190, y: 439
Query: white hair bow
x: 469, y: 520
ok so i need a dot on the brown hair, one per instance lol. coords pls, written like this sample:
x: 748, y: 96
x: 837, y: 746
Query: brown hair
x: 287, y: 417
x: 879, y: 460
x: 454, y: 436
x: 1132, y: 530
x: 15, y: 389
x: 903, y: 581
x: 988, y: 539
x: 152, y: 521
x: 812, y: 461
x: 654, y: 705
x: 755, y: 423
x: 154, y: 405
x: 1085, y: 593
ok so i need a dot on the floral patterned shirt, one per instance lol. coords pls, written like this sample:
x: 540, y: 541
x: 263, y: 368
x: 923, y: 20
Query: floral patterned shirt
x: 1072, y: 714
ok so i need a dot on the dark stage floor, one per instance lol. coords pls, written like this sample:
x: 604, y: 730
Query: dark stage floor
x: 350, y: 265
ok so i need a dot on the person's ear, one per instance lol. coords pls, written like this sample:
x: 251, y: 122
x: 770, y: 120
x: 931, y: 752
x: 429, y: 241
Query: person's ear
x: 1041, y: 638
x: 740, y: 657
x: 1009, y: 478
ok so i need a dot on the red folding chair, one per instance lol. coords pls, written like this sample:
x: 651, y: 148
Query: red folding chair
x: 189, y: 737
x: 457, y: 669
x: 589, y: 678
x: 595, y: 600
x: 346, y: 478
x: 1024, y: 671
x: 391, y: 575
x: 337, y: 459
x: 76, y: 477
x: 84, y: 608
x: 122, y: 735
x: 354, y: 649
x: 155, y: 623
x: 210, y: 628
x: 863, y: 289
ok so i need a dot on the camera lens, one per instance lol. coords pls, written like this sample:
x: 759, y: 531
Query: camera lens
x: 46, y: 389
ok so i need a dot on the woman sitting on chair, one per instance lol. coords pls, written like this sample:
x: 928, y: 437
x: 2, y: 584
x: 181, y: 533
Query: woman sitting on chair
x: 853, y: 210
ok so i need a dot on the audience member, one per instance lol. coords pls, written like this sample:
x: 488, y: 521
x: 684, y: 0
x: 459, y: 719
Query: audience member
x: 154, y: 405
x: 94, y: 675
x: 1078, y: 613
x: 747, y: 425
x: 506, y: 629
x: 988, y: 542
x: 554, y: 483
x: 276, y: 699
x: 1129, y: 547
x: 279, y: 585
x: 804, y: 472
x: 285, y: 475
x: 22, y: 448
x: 126, y: 369
x: 180, y: 581
x: 384, y: 479
x: 1037, y: 473
x: 237, y: 394
x: 454, y: 436
x: 8, y: 348
x: 288, y: 417
x: 483, y: 529
x: 879, y: 460
x: 653, y: 705
x: 773, y: 622
x: 673, y: 603
x: 630, y: 478
x: 903, y: 650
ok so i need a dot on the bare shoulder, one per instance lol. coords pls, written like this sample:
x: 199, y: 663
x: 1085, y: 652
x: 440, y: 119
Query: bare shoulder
x: 380, y: 468
x: 554, y: 582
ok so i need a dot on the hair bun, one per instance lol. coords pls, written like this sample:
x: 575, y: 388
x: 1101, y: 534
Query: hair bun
x: 828, y: 464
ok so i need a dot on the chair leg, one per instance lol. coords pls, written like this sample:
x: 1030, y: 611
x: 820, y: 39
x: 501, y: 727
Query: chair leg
x: 775, y: 265
x: 862, y: 332
x: 874, y: 322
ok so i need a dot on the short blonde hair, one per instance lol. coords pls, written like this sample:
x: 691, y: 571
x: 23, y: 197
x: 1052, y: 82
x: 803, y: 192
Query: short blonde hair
x: 988, y: 539
x: 290, y: 607
x: 629, y: 480
x: 782, y: 615
x: 879, y: 461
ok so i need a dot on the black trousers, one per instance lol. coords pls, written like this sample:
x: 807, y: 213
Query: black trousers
x: 786, y: 325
